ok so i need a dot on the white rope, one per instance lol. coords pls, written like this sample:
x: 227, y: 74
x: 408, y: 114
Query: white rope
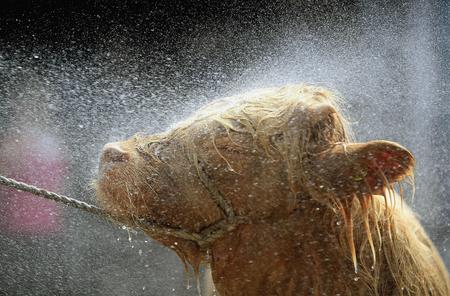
x: 203, y: 239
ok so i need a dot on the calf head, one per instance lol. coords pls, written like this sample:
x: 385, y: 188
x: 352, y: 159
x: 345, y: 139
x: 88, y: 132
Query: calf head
x: 257, y: 156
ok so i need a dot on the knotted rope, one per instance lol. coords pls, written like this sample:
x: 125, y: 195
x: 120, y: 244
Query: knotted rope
x: 203, y: 239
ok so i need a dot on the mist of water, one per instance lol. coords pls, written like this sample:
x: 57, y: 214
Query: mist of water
x: 387, y: 61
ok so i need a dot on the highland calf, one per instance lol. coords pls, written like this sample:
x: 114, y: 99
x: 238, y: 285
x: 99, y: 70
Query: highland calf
x: 294, y: 206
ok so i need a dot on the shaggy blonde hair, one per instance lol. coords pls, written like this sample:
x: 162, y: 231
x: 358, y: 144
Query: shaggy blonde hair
x: 264, y: 115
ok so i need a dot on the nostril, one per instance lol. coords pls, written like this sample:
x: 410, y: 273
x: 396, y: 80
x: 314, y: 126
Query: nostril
x: 113, y: 153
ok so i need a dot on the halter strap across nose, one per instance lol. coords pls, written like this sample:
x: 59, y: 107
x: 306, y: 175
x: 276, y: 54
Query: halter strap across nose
x: 215, y: 193
x: 216, y: 230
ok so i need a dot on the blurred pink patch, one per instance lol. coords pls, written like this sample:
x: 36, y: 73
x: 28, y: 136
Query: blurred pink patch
x: 32, y: 158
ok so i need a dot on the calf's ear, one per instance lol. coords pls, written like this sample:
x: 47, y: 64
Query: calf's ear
x: 358, y: 168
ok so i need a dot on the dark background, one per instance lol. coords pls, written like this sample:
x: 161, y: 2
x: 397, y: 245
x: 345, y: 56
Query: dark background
x: 89, y: 72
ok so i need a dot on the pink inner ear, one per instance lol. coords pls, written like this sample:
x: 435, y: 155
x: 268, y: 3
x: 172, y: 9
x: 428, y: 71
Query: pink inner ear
x: 393, y: 164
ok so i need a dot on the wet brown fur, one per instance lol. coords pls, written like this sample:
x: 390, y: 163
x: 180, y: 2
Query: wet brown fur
x: 323, y: 216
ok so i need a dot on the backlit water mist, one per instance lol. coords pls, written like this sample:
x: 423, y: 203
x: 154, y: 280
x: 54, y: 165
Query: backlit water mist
x: 71, y: 82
